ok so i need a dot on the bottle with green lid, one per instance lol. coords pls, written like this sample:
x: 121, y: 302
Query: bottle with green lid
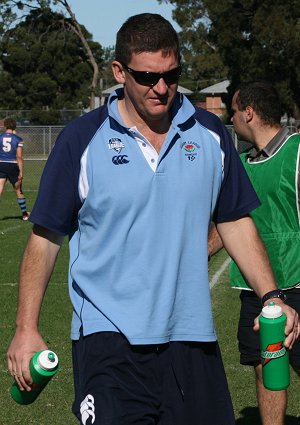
x: 274, y: 355
x: 43, y: 366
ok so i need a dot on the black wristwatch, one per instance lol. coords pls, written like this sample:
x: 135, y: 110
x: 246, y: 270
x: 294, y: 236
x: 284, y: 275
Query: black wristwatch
x: 277, y: 293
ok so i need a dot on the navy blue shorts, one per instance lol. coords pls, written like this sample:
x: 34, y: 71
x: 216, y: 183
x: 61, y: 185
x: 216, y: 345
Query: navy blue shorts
x: 249, y: 344
x: 10, y: 171
x: 169, y: 384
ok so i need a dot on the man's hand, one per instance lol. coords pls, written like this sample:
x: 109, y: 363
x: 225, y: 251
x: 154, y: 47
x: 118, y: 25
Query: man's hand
x: 292, y: 328
x: 23, y: 346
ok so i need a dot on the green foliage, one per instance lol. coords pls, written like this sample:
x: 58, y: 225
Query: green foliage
x: 7, y: 16
x: 44, y: 64
x: 260, y: 40
x: 106, y: 72
x: 41, y: 117
x: 202, y: 63
x: 242, y: 40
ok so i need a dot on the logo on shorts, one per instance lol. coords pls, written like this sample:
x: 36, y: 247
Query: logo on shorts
x: 273, y: 351
x: 116, y: 144
x: 190, y: 150
x: 87, y: 410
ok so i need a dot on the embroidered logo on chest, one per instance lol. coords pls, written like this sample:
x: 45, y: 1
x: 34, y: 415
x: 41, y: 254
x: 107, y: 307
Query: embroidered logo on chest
x: 190, y: 150
x: 116, y: 144
x: 120, y: 159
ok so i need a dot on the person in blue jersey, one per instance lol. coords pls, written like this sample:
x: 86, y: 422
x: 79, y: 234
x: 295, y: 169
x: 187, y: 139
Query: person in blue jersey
x: 11, y: 163
x: 141, y: 178
x: 273, y: 164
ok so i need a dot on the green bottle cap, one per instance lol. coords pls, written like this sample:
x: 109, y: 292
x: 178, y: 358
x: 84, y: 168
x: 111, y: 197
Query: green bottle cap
x: 51, y: 357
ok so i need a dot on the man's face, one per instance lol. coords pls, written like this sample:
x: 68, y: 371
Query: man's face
x: 239, y: 120
x: 152, y: 103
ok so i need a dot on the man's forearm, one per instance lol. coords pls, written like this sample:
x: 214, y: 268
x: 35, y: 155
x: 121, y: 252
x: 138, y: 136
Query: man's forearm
x: 244, y: 245
x: 36, y: 268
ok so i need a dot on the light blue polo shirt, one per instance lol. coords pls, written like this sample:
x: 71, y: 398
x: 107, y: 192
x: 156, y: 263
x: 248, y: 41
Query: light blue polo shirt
x: 138, y: 228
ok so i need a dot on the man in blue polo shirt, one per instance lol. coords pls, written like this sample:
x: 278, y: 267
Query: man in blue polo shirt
x: 135, y: 185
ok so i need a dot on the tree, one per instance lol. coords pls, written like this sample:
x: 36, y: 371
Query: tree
x: 253, y: 39
x: 201, y: 60
x: 260, y: 40
x: 43, y: 66
x: 107, y: 79
x: 12, y: 10
x: 74, y: 25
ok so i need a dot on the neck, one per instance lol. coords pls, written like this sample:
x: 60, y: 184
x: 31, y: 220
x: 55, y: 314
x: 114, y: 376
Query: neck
x: 264, y: 135
x: 154, y: 130
x: 132, y: 118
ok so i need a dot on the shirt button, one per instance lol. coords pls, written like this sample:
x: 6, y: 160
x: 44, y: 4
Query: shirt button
x: 152, y: 160
x: 144, y: 144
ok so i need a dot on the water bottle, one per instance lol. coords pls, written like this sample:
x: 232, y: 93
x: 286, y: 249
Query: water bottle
x: 274, y: 356
x: 43, y: 366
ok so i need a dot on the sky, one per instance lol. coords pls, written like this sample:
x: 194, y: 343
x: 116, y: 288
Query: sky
x: 103, y: 18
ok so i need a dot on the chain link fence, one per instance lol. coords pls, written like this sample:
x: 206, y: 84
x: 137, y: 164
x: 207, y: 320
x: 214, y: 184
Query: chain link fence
x: 39, y: 141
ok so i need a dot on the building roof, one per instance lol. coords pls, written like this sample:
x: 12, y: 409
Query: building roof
x: 217, y: 88
x: 108, y: 91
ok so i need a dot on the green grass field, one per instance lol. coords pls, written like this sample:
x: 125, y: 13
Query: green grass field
x: 53, y: 407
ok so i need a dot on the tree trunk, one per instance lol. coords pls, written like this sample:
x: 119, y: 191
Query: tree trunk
x: 77, y: 29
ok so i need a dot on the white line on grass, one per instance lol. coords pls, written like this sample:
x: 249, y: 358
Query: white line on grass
x: 213, y: 282
x: 9, y: 229
x: 219, y: 272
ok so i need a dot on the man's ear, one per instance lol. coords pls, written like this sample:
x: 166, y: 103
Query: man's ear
x: 118, y: 72
x: 249, y: 112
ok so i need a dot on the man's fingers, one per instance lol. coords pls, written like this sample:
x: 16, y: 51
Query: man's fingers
x: 19, y: 370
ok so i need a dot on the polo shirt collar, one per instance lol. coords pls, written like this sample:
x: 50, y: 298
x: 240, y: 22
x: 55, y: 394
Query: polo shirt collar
x: 181, y: 110
x: 271, y: 147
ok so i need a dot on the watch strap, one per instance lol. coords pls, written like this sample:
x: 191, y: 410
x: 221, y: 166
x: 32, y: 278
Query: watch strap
x: 276, y: 293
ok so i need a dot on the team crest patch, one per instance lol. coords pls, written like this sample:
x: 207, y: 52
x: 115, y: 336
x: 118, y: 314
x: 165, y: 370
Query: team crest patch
x: 190, y: 149
x: 116, y: 144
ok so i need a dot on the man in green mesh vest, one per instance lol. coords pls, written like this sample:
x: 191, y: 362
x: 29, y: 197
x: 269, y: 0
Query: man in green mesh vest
x: 273, y: 165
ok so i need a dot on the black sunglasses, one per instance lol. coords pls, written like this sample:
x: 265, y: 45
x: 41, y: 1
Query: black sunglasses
x: 147, y: 78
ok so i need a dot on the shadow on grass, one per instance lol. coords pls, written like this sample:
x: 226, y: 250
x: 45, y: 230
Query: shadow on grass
x: 12, y: 217
x: 251, y: 417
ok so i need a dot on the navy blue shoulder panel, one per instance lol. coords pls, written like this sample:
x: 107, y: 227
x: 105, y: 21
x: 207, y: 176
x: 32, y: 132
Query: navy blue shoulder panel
x: 209, y: 120
x: 237, y: 196
x: 58, y: 201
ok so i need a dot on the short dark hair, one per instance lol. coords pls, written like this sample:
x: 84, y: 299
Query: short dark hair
x: 146, y: 32
x: 263, y: 98
x: 10, y: 123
